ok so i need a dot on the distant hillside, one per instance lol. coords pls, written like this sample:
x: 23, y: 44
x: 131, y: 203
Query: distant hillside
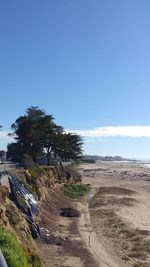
x: 94, y: 158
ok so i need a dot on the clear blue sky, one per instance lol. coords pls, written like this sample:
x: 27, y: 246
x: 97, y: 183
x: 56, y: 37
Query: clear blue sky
x: 87, y: 62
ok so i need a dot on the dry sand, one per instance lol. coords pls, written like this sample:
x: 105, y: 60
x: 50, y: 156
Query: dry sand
x: 120, y: 213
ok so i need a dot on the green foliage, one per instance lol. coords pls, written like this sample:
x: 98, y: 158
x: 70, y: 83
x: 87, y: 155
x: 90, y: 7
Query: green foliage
x: 12, y: 216
x: 70, y: 147
x: 34, y: 187
x: 33, y: 181
x: 14, y: 152
x: 37, y: 136
x: 12, y: 250
x: 27, y: 161
x: 35, y: 260
x: 14, y: 253
x: 29, y: 131
x: 38, y: 171
x: 75, y: 190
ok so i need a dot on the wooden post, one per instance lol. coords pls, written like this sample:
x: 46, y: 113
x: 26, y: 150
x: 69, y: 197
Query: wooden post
x: 89, y: 239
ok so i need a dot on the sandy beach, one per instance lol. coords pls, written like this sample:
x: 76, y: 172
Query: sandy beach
x: 119, y: 213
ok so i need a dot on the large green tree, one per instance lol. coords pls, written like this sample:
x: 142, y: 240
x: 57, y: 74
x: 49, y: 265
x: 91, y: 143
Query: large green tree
x: 37, y: 135
x: 29, y: 131
x: 52, y: 133
x: 15, y: 152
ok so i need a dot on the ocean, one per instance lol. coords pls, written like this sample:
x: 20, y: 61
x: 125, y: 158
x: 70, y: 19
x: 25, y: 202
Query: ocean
x: 146, y: 163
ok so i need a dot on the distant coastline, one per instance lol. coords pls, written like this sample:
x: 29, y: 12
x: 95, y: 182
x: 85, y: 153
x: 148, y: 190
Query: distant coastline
x: 97, y: 159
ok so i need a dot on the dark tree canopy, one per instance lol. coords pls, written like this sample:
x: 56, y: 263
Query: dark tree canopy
x: 29, y: 131
x: 70, y: 146
x: 37, y: 135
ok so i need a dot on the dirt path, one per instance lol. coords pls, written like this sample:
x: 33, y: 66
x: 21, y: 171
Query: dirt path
x: 99, y: 249
x: 60, y: 243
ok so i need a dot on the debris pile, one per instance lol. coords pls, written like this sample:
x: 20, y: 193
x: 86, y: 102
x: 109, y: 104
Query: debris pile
x: 53, y: 238
x: 69, y: 212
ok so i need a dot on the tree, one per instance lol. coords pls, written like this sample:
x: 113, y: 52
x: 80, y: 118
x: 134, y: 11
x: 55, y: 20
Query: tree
x: 37, y: 135
x: 14, y: 152
x: 70, y: 147
x: 29, y: 133
x: 51, y: 136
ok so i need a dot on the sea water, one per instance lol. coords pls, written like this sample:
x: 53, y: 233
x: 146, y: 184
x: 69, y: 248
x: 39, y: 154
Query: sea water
x: 145, y: 163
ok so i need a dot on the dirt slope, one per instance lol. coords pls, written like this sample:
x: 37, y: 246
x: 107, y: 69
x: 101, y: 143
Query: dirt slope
x: 60, y: 243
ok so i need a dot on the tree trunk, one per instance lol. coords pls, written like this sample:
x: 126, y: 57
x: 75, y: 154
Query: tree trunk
x: 49, y: 152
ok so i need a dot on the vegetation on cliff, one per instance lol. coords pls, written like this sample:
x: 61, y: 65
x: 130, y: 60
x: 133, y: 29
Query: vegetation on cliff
x: 12, y: 251
x: 37, y: 138
x: 16, y: 242
x: 38, y: 179
x: 75, y: 190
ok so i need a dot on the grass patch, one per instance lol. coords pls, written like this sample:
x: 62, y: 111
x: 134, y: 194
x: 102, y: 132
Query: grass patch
x: 35, y: 260
x: 34, y: 186
x: 32, y: 183
x: 75, y: 190
x: 12, y: 251
x: 12, y: 215
x: 37, y: 171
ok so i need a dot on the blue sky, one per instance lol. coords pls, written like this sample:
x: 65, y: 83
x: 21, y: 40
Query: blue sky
x: 86, y: 62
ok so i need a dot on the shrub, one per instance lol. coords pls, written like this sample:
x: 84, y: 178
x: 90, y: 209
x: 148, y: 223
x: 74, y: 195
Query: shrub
x: 12, y: 215
x: 75, y: 190
x: 27, y: 161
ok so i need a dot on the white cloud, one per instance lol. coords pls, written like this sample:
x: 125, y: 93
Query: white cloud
x: 116, y: 131
x: 5, y: 139
x: 4, y: 135
x: 95, y: 139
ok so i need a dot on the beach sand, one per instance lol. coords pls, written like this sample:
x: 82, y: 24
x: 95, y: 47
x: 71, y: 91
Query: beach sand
x: 119, y: 213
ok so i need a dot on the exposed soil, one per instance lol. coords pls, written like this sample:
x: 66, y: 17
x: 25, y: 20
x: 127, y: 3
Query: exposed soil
x: 98, y: 201
x: 60, y: 243
x: 115, y: 191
